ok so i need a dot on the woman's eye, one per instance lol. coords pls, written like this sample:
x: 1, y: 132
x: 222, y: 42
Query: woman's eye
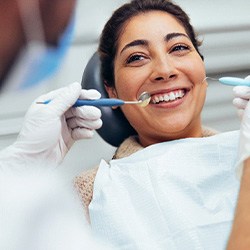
x: 134, y: 58
x: 180, y: 48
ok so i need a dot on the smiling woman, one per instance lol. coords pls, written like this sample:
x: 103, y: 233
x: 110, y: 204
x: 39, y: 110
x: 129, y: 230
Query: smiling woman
x: 161, y: 60
x: 168, y: 181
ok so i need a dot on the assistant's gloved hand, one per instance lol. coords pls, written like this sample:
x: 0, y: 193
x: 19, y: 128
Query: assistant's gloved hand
x: 241, y: 97
x: 49, y: 130
x: 241, y: 101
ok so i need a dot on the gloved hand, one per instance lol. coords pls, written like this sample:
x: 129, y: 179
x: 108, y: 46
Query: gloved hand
x: 49, y: 130
x: 241, y: 97
x: 241, y: 102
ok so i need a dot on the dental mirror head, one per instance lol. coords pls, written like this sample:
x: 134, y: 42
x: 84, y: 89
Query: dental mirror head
x: 144, y: 99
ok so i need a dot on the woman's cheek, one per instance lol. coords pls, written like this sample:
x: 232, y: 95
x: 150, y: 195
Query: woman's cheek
x: 128, y: 84
x: 199, y: 75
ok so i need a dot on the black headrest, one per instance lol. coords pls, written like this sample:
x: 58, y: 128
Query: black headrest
x: 115, y: 126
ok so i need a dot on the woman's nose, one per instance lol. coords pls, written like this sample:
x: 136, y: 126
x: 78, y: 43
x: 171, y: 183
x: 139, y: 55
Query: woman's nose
x: 163, y: 69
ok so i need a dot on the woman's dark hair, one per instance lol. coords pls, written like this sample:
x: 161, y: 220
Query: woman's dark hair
x: 113, y: 28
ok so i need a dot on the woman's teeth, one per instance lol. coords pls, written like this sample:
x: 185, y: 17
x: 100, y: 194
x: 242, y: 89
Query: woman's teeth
x: 168, y: 97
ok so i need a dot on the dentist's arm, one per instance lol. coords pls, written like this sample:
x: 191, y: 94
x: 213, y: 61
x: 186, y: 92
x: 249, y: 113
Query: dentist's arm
x: 49, y: 130
x: 240, y: 234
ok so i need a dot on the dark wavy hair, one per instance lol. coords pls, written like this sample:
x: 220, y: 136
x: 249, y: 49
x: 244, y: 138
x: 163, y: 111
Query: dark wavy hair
x: 112, y: 30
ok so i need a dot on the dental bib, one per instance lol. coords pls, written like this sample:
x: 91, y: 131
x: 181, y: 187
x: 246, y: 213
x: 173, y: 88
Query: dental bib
x: 172, y: 195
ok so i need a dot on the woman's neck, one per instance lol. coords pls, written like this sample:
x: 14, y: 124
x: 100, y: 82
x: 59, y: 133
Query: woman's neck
x: 187, y: 133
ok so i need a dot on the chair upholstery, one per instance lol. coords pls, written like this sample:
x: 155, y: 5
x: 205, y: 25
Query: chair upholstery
x: 115, y: 126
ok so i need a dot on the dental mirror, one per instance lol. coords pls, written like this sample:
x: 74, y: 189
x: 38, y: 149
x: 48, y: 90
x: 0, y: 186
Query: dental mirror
x: 143, y: 101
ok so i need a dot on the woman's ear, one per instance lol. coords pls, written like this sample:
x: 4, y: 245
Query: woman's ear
x: 111, y: 93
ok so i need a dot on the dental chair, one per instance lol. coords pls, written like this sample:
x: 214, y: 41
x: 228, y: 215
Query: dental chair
x: 115, y: 126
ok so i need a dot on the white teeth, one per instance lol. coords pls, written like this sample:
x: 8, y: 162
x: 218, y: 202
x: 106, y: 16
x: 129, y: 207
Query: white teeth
x: 157, y: 99
x: 168, y: 97
x: 172, y: 96
x: 181, y: 94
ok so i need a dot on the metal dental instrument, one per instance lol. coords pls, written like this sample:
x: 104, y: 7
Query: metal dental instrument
x: 231, y: 81
x: 143, y: 101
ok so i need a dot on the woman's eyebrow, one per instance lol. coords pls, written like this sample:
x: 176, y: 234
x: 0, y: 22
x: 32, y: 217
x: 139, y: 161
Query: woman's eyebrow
x: 173, y: 35
x: 135, y: 43
x: 141, y: 42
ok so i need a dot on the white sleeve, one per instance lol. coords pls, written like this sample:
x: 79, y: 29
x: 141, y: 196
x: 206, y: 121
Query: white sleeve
x: 39, y: 211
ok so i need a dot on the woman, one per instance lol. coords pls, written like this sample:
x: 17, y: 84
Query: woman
x: 172, y: 186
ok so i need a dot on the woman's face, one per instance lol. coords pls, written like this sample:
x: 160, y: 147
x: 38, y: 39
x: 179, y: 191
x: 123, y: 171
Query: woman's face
x: 155, y: 55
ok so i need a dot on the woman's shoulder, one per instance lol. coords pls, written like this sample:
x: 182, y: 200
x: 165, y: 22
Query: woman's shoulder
x: 207, y: 131
x: 84, y: 184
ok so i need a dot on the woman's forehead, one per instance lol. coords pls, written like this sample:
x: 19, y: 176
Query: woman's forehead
x: 149, y: 24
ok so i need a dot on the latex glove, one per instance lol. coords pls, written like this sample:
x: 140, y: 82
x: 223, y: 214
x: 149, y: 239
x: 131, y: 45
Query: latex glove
x: 241, y: 101
x: 241, y: 97
x: 49, y: 130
